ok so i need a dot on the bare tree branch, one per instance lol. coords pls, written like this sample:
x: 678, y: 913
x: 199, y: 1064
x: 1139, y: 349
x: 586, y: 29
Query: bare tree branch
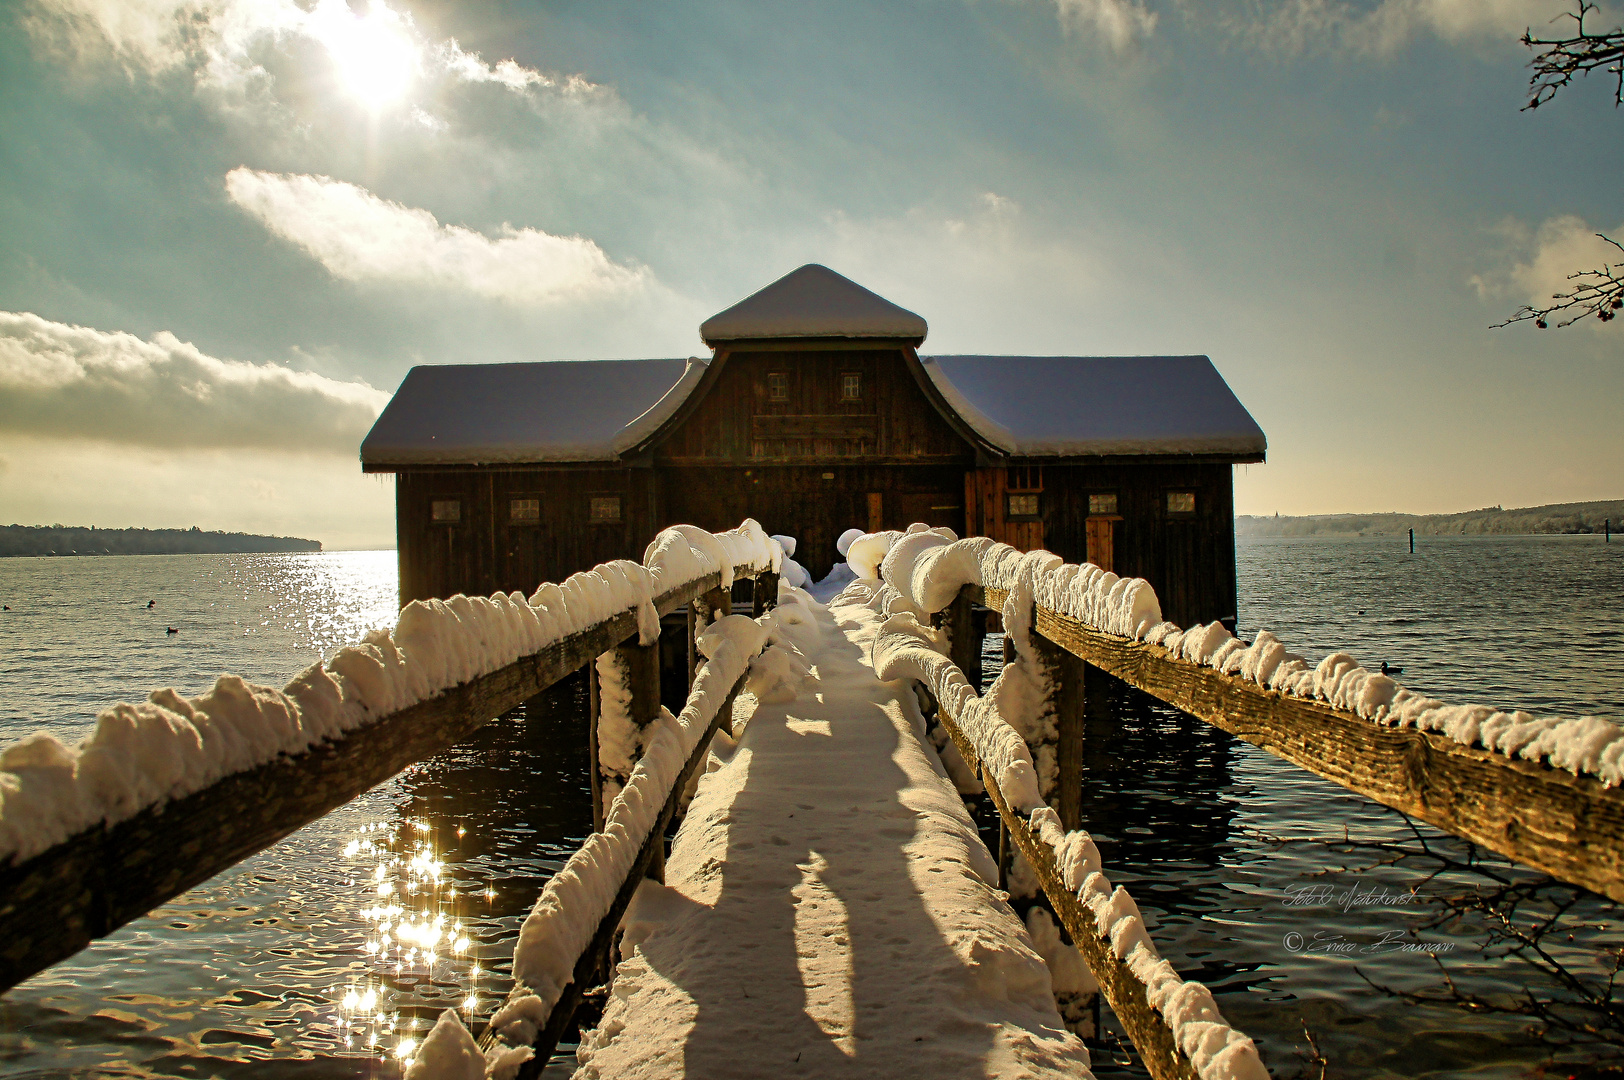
x: 1519, y: 915
x: 1561, y: 58
x: 1598, y: 292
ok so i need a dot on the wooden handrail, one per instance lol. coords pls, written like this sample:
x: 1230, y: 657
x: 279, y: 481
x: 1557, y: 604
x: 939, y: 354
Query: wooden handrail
x: 1570, y: 827
x: 1123, y: 990
x: 57, y: 902
x: 592, y: 962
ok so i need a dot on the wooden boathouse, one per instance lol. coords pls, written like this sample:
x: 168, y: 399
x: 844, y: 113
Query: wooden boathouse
x: 815, y: 413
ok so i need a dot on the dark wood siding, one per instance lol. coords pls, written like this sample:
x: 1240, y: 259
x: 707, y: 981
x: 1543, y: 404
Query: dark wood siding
x: 809, y: 462
x: 486, y: 551
x: 1190, y: 559
x: 740, y: 423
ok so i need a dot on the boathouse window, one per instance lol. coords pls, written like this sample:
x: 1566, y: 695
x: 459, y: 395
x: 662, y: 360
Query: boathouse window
x: 851, y: 386
x: 1181, y: 502
x: 524, y: 511
x: 446, y: 511
x: 777, y: 386
x: 605, y: 510
x: 1021, y: 507
x: 1102, y: 502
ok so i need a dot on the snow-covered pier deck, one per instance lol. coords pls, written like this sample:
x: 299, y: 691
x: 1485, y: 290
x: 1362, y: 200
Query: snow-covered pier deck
x: 827, y: 906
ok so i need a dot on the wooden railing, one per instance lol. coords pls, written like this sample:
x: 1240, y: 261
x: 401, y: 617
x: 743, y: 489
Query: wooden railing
x: 1123, y: 990
x: 592, y: 966
x: 56, y: 903
x: 1570, y: 827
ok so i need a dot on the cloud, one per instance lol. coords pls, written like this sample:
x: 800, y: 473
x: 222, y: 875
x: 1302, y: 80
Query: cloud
x: 359, y: 237
x: 1538, y: 262
x: 73, y: 382
x: 374, y: 54
x: 1118, y: 23
x: 1310, y: 26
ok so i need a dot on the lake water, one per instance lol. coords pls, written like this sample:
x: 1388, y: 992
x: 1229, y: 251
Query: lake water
x: 282, y: 964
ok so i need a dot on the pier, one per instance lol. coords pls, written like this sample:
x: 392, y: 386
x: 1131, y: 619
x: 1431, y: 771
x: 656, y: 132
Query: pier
x: 785, y: 878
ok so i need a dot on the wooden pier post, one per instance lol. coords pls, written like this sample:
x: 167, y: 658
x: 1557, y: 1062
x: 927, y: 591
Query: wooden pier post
x: 640, y: 667
x: 1412, y: 541
x: 1071, y: 677
x: 593, y: 705
x: 702, y: 611
x: 764, y: 595
x: 964, y: 644
x: 1067, y: 675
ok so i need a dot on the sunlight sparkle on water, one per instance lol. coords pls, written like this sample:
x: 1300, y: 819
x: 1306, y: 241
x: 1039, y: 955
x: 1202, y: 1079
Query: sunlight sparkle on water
x: 413, y: 932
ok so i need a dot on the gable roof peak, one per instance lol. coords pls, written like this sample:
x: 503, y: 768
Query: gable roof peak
x: 813, y: 302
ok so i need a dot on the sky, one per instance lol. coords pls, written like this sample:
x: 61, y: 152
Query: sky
x: 229, y: 227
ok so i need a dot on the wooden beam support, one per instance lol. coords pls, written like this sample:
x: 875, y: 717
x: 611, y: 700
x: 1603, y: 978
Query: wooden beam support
x: 702, y: 611
x: 1044, y: 741
x: 964, y: 644
x: 56, y: 903
x: 1066, y: 673
x: 639, y: 667
x: 1122, y: 988
x: 594, y: 703
x: 1568, y: 826
x: 764, y: 596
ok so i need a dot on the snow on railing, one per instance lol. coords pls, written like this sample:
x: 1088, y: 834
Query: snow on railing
x: 911, y: 575
x: 144, y: 754
x: 929, y: 573
x: 1587, y: 745
x: 575, y: 901
x: 922, y: 571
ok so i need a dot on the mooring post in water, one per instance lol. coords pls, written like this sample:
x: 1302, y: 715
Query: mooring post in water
x: 1607, y: 530
x: 1412, y: 541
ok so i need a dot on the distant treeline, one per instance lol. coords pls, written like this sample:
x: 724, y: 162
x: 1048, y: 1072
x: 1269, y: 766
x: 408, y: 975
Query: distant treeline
x: 72, y: 540
x: 1491, y: 521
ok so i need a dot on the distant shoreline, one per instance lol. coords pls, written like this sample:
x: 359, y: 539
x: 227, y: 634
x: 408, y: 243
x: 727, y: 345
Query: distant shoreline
x: 75, y: 541
x: 1551, y: 520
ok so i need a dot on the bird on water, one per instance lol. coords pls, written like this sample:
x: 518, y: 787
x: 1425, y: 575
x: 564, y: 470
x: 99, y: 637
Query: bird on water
x: 1389, y: 670
x: 171, y: 630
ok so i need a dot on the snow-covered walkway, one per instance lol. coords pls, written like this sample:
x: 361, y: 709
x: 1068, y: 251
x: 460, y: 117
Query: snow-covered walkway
x: 829, y: 910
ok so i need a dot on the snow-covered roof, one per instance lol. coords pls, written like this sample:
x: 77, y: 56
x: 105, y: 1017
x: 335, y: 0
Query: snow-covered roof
x: 813, y: 302
x: 558, y: 410
x: 1075, y: 406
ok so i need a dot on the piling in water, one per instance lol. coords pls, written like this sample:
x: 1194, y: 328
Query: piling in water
x: 1412, y: 541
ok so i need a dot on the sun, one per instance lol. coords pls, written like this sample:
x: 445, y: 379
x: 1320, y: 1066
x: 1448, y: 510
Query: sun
x: 375, y: 55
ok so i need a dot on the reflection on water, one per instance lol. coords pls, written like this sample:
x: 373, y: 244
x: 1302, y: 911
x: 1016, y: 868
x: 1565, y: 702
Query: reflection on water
x: 332, y: 952
x: 1223, y: 845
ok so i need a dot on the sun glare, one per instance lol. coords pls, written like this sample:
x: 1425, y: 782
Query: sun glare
x: 374, y: 54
